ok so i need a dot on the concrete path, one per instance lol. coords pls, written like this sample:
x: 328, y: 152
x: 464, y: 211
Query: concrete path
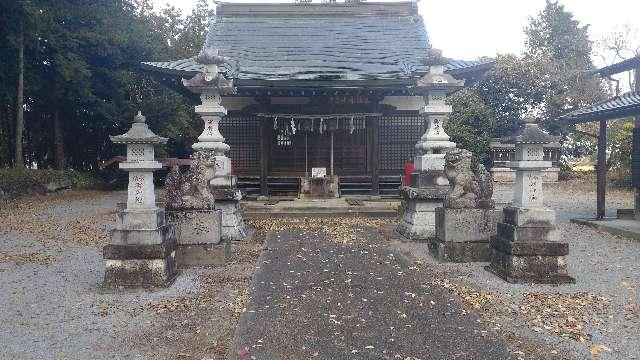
x: 315, y: 298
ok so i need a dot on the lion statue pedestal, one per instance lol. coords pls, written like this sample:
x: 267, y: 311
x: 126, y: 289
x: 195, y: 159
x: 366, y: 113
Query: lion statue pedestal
x: 468, y: 219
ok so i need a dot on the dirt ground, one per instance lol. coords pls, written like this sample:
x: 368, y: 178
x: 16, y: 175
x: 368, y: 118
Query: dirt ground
x: 53, y: 307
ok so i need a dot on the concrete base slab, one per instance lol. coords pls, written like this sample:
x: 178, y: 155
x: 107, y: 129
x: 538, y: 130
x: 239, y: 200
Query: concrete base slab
x: 621, y: 227
x: 416, y: 232
x: 549, y: 280
x: 535, y: 269
x: 140, y: 273
x: 460, y: 252
x: 202, y: 255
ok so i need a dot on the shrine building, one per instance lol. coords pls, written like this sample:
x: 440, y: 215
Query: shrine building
x: 322, y: 90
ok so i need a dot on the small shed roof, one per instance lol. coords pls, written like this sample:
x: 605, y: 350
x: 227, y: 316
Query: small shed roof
x: 626, y: 65
x: 615, y: 108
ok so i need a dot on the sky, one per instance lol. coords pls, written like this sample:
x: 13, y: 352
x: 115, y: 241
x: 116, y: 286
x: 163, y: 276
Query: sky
x: 469, y: 29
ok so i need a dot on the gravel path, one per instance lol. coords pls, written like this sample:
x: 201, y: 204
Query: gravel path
x: 599, y: 316
x: 53, y: 307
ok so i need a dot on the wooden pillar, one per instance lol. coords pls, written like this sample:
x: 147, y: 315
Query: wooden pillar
x: 265, y: 140
x: 635, y: 156
x: 375, y: 156
x: 602, y: 170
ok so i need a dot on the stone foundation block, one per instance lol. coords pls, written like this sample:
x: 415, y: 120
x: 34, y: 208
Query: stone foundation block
x: 202, y: 254
x: 142, y: 236
x: 196, y: 226
x: 534, y: 248
x: 460, y: 252
x: 418, y: 220
x: 529, y: 217
x: 538, y: 269
x: 144, y: 265
x: 233, y: 226
x: 466, y: 225
x: 513, y: 233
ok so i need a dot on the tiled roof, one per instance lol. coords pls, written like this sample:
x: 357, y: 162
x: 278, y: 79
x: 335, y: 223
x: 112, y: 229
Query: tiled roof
x: 335, y: 41
x: 615, y: 108
x: 187, y: 67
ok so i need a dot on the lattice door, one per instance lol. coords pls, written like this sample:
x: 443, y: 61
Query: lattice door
x: 397, y: 138
x: 243, y: 136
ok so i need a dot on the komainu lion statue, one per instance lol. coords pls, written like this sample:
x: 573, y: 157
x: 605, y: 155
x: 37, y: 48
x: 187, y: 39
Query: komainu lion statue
x: 191, y: 190
x: 468, y: 189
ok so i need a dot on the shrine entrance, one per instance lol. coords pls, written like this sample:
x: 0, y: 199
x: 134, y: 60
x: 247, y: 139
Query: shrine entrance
x: 341, y: 152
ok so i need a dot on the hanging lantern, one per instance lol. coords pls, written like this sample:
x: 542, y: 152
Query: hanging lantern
x: 321, y: 126
x: 293, y: 126
x: 352, y: 126
x: 275, y: 123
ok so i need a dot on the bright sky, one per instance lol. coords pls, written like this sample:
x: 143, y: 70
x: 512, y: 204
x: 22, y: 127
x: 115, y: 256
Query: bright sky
x: 468, y: 29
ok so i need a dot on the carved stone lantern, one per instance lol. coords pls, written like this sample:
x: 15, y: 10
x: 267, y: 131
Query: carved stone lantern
x: 526, y: 248
x: 210, y: 149
x: 142, y: 248
x: 429, y: 184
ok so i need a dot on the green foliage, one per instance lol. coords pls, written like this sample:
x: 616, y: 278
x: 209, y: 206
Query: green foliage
x: 472, y: 124
x: 82, y: 62
x: 562, y: 47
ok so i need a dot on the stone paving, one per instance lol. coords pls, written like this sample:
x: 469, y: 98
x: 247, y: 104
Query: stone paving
x: 317, y: 298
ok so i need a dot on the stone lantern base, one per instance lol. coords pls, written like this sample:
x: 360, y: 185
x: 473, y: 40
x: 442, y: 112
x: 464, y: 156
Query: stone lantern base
x: 142, y: 251
x: 227, y: 201
x: 462, y: 235
x: 525, y: 249
x: 418, y: 221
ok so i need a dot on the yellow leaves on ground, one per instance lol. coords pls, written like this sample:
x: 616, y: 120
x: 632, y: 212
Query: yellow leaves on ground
x: 565, y: 315
x: 35, y: 217
x: 596, y: 350
x: 344, y: 230
x: 470, y: 296
x: 34, y: 258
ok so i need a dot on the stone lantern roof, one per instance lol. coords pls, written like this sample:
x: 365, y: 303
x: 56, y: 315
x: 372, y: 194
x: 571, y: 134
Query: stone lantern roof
x: 436, y: 78
x: 138, y: 134
x: 529, y: 133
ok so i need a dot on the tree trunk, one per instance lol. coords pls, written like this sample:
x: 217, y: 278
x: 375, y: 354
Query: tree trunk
x: 19, y: 159
x: 58, y: 140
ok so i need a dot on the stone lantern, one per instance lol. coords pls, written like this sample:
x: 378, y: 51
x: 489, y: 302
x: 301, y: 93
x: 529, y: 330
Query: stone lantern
x: 526, y: 248
x: 212, y: 185
x: 142, y: 248
x: 429, y: 185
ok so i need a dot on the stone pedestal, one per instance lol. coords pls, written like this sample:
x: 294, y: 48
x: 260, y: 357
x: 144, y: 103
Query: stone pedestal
x: 198, y: 235
x: 418, y: 220
x: 233, y: 226
x: 142, y: 248
x: 141, y: 252
x: 462, y: 235
x: 526, y: 247
x: 323, y: 187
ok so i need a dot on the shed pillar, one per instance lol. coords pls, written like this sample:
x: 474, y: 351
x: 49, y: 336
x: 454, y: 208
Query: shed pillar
x: 635, y: 156
x: 602, y: 170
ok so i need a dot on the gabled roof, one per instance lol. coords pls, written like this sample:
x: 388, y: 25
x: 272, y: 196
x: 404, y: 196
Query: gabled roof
x: 329, y: 41
x: 618, y: 107
x: 381, y: 42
